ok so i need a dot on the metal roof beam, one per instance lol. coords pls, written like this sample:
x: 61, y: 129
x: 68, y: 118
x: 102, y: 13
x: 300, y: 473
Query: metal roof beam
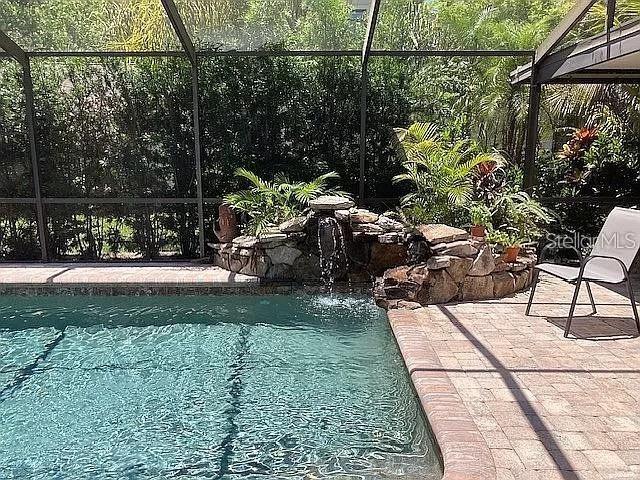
x: 178, y: 26
x: 555, y: 60
x: 622, y: 42
x: 558, y: 34
x: 374, y: 8
x: 13, y: 49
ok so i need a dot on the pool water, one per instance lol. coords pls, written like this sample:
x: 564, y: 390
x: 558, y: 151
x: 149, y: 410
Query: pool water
x: 228, y: 387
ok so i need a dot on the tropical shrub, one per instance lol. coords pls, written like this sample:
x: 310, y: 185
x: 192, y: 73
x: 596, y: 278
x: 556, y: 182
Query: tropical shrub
x: 441, y: 173
x: 521, y: 217
x: 269, y: 203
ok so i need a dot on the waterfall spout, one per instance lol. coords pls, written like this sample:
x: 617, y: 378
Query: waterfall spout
x: 333, y: 253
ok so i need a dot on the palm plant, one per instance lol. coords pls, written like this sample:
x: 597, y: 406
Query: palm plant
x: 269, y: 203
x: 441, y: 172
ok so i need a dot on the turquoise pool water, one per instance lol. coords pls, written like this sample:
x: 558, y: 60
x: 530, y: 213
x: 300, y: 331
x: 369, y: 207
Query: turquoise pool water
x: 277, y: 387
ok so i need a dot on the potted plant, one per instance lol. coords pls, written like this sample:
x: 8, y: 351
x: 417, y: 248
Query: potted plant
x: 521, y: 218
x: 510, y: 242
x: 480, y: 219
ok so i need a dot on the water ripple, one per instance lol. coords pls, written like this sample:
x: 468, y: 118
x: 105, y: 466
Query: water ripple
x: 277, y: 387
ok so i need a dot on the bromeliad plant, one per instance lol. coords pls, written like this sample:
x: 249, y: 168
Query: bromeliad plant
x: 442, y: 173
x: 575, y: 151
x: 269, y: 203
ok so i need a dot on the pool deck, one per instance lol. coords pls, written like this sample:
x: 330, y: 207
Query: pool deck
x: 120, y: 277
x: 509, y: 398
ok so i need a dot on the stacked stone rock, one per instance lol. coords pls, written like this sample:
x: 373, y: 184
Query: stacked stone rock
x: 374, y: 243
x: 458, y: 268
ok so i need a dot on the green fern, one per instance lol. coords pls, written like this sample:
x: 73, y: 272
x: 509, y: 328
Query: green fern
x: 269, y: 203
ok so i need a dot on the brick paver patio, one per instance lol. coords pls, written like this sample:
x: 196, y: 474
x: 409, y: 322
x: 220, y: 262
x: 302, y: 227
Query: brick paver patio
x: 61, y: 274
x: 547, y: 407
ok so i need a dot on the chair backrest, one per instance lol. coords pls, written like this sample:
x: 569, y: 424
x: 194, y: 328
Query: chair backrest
x: 620, y: 236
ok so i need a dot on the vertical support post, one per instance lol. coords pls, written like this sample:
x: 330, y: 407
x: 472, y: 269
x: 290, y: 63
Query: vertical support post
x: 374, y: 8
x: 611, y: 15
x: 196, y: 136
x: 363, y: 133
x: 610, y: 22
x: 27, y: 85
x: 533, y: 119
x: 185, y: 40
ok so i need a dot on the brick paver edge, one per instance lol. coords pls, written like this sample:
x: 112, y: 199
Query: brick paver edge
x: 464, y: 452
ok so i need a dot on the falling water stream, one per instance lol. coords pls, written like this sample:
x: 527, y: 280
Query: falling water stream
x: 333, y: 252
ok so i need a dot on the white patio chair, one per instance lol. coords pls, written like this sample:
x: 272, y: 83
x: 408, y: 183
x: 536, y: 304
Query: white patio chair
x: 609, y: 262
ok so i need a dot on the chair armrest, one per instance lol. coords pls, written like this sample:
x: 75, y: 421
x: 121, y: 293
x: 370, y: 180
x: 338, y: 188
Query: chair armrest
x: 584, y: 263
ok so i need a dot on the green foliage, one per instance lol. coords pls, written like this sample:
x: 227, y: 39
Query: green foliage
x: 480, y: 214
x: 269, y: 203
x: 441, y: 172
x: 608, y: 168
x: 124, y: 127
x: 504, y: 238
x: 519, y: 214
x: 299, y: 116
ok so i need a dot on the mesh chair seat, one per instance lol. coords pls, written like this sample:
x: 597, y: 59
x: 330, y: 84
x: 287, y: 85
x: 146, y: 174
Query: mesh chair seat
x: 593, y: 272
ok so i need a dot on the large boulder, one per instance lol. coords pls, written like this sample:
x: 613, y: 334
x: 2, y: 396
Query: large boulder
x: 270, y: 240
x: 306, y: 267
x: 386, y: 255
x: 221, y: 259
x: 437, y: 262
x: 522, y: 280
x: 342, y: 215
x: 483, y: 263
x: 280, y: 271
x: 257, y: 266
x: 503, y: 284
x: 459, y: 268
x: 438, y: 233
x: 389, y: 224
x: 437, y: 287
x: 237, y: 262
x: 283, y: 254
x: 361, y: 215
x: 477, y: 288
x: 459, y: 248
x: 245, y: 241
x: 296, y: 224
x: 395, y: 276
x: 331, y: 202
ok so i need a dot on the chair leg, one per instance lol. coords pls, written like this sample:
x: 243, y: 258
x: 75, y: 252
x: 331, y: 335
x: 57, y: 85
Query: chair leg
x: 633, y: 303
x: 567, y: 328
x: 534, y: 284
x: 593, y: 303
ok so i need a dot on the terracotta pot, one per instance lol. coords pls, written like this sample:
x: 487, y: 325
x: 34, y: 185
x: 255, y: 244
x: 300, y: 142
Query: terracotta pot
x: 478, y: 231
x: 510, y: 254
x: 227, y: 224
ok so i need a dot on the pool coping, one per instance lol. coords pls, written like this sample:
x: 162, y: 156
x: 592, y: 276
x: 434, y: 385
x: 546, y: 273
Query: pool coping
x: 464, y: 453
x: 152, y: 278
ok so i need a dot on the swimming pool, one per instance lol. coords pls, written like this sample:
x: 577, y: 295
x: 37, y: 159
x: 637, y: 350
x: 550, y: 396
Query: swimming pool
x: 227, y: 387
